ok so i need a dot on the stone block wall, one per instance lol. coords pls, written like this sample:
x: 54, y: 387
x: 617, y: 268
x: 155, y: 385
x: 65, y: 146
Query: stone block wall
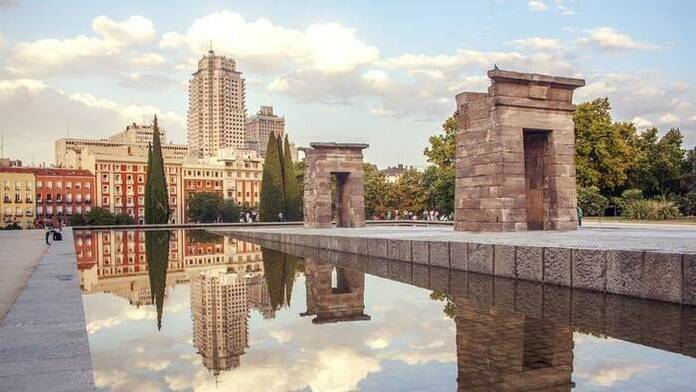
x: 501, y: 185
x: 342, y: 161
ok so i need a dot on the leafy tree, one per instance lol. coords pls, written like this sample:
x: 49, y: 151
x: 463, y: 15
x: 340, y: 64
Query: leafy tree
x: 293, y: 197
x: 99, y: 216
x: 272, y: 194
x: 689, y: 171
x: 408, y: 194
x: 443, y: 146
x: 157, y: 254
x: 123, y: 219
x: 660, y: 163
x: 603, y: 149
x: 12, y: 226
x: 157, y: 209
x: 591, y: 201
x: 76, y: 220
x: 375, y: 183
x: 439, y: 186
x: 212, y: 207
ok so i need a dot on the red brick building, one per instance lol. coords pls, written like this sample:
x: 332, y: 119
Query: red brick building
x: 61, y: 193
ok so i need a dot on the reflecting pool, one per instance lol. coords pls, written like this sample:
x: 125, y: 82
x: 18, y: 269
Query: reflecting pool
x: 192, y: 310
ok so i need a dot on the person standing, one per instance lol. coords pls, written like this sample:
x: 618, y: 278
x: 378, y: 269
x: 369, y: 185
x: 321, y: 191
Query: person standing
x: 49, y: 231
x: 579, y: 216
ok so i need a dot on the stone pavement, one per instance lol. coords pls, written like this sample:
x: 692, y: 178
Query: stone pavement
x: 657, y: 263
x: 43, y: 340
x: 21, y: 252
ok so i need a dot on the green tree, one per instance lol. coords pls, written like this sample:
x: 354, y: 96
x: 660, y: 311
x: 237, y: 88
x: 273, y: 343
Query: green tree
x: 293, y: 198
x: 210, y: 207
x: 272, y: 194
x: 408, y: 194
x: 439, y: 177
x: 450, y: 308
x: 443, y: 146
x: 375, y: 183
x: 157, y: 254
x: 157, y: 210
x: 99, y: 216
x: 660, y: 164
x: 123, y: 219
x: 439, y: 186
x: 591, y: 201
x: 604, y: 150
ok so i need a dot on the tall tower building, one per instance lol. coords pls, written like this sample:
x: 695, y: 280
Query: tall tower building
x: 220, y: 312
x: 260, y: 127
x: 217, y: 107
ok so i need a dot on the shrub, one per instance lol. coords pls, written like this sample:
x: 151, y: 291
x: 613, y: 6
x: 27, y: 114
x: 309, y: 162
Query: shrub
x: 77, y: 220
x: 12, y: 226
x: 124, y: 219
x: 632, y: 194
x: 650, y: 210
x: 211, y: 207
x: 687, y: 204
x: 591, y: 201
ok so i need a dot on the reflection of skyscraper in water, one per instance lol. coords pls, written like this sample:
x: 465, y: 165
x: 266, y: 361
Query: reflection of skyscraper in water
x: 220, y: 312
x: 503, y: 350
x: 334, y: 294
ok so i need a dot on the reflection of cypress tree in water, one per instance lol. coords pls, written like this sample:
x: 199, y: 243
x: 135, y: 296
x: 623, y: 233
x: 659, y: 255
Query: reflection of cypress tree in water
x: 157, y: 253
x: 279, y: 271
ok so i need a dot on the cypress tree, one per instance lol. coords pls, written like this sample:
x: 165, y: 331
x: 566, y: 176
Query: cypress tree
x: 157, y: 211
x: 148, y: 184
x: 293, y: 199
x: 272, y: 195
x: 157, y: 253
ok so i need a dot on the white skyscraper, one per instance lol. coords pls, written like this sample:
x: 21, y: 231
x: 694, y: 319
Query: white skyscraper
x: 217, y: 107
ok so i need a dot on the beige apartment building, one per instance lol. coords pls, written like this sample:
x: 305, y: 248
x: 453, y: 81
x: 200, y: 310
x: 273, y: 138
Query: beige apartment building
x: 134, y: 139
x: 18, y: 201
x: 260, y: 126
x: 217, y: 106
x: 243, y: 172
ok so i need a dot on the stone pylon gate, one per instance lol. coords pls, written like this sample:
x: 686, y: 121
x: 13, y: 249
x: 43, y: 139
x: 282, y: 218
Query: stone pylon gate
x: 344, y: 162
x: 516, y: 154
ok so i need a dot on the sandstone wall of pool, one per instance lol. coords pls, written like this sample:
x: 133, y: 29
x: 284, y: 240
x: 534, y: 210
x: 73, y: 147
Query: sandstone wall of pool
x: 664, y: 275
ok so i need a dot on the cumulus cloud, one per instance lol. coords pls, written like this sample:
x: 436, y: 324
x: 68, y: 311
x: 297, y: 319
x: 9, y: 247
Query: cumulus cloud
x: 536, y: 6
x: 609, y: 39
x: 149, y: 59
x: 324, y: 47
x: 53, y: 55
x: 538, y: 43
x: 89, y: 116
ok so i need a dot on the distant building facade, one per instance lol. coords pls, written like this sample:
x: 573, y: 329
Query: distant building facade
x: 134, y: 140
x: 260, y: 126
x: 61, y: 193
x: 201, y: 178
x: 217, y: 107
x: 17, y: 204
x: 394, y: 173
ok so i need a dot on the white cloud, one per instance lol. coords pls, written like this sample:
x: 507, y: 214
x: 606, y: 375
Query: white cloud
x: 149, y: 59
x: 278, y: 85
x: 89, y: 116
x: 641, y: 122
x: 669, y: 118
x: 536, y: 6
x: 609, y: 39
x: 325, y: 47
x: 81, y: 52
x: 538, y: 43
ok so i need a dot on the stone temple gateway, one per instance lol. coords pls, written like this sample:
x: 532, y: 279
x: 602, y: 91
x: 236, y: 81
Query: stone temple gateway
x: 344, y: 163
x: 516, y: 154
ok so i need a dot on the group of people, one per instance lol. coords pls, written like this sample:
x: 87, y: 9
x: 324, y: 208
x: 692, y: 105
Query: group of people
x: 53, y: 233
x: 249, y: 217
x: 426, y: 215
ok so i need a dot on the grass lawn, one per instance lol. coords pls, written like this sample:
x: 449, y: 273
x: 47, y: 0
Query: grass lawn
x: 618, y: 219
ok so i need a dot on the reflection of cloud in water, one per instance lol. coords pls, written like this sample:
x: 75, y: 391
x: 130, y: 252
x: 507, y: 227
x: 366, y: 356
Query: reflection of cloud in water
x: 281, y: 336
x: 608, y: 376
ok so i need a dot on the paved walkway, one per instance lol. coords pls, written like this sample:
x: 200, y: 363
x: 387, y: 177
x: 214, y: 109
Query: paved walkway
x: 43, y: 340
x: 640, y: 237
x: 21, y: 252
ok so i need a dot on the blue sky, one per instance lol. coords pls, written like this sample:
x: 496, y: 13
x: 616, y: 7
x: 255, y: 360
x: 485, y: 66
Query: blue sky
x: 379, y: 72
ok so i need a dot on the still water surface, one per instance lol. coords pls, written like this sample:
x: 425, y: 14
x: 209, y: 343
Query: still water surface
x: 189, y: 310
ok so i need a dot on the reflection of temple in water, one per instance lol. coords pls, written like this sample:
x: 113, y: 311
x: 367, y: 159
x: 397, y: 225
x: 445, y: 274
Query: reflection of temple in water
x: 502, y: 350
x: 220, y: 313
x: 334, y: 294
